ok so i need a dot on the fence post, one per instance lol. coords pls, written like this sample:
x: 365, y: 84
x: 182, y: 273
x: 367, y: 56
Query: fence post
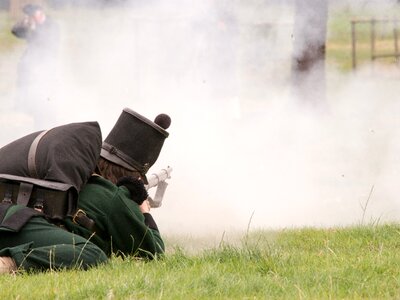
x: 396, y: 42
x: 372, y: 39
x: 353, y: 44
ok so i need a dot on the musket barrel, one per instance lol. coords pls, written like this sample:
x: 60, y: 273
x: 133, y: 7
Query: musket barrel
x: 155, y: 178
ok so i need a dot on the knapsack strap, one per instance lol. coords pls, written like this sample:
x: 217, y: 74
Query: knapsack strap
x: 32, y: 155
x: 24, y: 193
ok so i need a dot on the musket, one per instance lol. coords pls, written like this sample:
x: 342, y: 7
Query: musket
x: 158, y: 180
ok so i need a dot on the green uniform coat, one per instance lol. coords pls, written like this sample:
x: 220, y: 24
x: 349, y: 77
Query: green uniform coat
x: 123, y: 227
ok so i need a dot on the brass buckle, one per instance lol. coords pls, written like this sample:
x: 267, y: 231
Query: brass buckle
x: 76, y: 215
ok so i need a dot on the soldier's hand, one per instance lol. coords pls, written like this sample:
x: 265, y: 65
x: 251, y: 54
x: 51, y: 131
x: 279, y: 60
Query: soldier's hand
x: 145, y: 207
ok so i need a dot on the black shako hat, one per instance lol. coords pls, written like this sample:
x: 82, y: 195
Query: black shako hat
x: 135, y: 142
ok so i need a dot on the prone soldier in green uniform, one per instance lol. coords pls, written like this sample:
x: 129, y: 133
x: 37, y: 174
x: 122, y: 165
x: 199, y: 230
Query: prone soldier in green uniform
x: 117, y: 201
x: 112, y: 215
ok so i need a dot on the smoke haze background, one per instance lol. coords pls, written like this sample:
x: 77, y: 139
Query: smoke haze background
x: 243, y: 148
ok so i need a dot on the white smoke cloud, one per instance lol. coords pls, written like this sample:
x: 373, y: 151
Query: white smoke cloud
x: 242, y: 149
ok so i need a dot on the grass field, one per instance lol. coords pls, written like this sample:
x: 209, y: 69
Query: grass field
x: 341, y: 263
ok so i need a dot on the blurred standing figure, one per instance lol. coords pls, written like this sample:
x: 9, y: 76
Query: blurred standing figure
x: 37, y: 76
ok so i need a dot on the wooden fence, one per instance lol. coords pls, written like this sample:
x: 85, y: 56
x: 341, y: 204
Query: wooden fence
x: 374, y: 54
